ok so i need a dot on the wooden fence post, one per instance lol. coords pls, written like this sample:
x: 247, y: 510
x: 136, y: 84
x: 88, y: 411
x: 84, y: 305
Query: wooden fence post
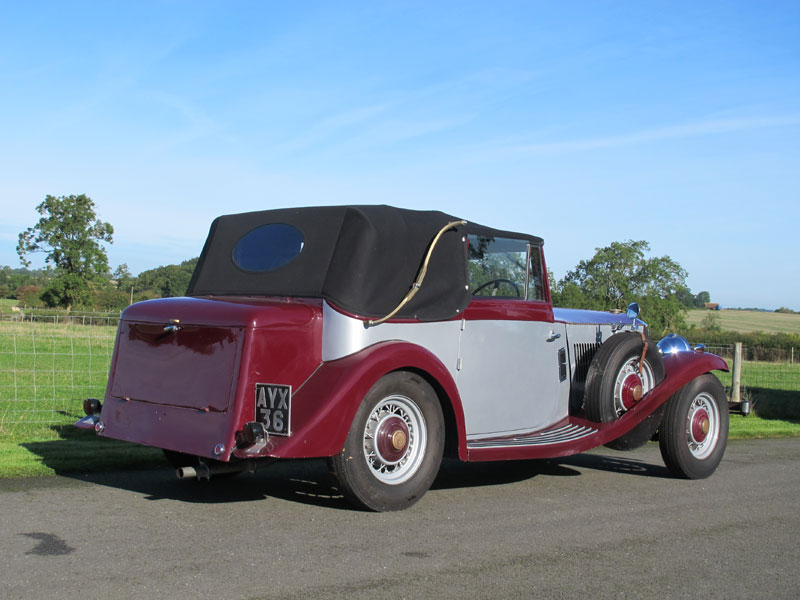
x: 736, y: 379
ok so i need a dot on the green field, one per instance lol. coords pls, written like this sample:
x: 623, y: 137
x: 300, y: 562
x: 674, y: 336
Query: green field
x: 6, y: 304
x: 747, y: 321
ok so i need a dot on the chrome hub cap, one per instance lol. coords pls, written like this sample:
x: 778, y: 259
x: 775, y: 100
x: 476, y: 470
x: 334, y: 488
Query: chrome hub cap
x: 702, y: 426
x: 632, y: 384
x: 391, y: 440
x: 395, y: 439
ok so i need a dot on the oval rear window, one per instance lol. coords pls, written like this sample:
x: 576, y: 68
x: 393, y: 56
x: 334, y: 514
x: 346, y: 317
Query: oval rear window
x: 268, y: 247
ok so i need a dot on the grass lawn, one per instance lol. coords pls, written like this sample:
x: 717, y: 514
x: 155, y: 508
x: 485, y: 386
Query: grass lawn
x: 754, y: 426
x: 73, y: 450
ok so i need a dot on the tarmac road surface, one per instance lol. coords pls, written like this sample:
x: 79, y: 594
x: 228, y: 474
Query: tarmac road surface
x: 598, y: 525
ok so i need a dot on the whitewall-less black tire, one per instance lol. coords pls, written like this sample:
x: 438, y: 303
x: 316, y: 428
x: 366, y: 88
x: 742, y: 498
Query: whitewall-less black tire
x: 394, y: 448
x: 694, y: 430
x: 615, y: 382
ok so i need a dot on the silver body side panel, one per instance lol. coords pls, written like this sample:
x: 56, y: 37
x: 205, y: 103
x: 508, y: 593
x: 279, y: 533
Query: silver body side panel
x: 507, y: 372
x: 509, y: 381
x: 343, y: 336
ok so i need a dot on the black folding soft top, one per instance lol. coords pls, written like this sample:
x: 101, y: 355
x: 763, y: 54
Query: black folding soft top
x: 362, y: 259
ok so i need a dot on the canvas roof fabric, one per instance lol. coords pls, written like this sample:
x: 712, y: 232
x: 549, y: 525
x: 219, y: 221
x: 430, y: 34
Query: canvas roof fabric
x: 362, y: 259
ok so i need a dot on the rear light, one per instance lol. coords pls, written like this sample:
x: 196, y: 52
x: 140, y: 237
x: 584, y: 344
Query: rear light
x: 92, y: 406
x: 254, y: 433
x: 252, y: 439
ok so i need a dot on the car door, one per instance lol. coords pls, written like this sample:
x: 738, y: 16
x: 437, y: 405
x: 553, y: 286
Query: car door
x: 512, y: 371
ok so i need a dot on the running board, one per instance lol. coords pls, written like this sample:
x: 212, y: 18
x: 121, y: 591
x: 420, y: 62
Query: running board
x: 557, y: 435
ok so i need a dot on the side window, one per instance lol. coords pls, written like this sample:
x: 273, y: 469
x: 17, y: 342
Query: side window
x: 536, y: 276
x: 268, y: 247
x: 498, y: 266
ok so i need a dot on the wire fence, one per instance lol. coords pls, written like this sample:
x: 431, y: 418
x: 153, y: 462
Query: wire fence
x: 59, y: 317
x: 50, y: 362
x: 763, y: 368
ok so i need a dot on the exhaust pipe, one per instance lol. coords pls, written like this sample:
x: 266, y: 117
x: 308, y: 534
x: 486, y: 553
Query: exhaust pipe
x: 204, y: 470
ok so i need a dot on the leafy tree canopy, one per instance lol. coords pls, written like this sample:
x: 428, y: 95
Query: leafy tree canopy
x: 701, y: 298
x: 168, y: 281
x: 622, y: 273
x: 70, y: 235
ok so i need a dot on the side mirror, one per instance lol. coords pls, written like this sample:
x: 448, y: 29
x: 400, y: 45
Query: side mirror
x: 633, y: 310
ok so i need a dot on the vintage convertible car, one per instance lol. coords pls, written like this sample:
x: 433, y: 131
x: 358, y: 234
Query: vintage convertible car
x: 382, y: 338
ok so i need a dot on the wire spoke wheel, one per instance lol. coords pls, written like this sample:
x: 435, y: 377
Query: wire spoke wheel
x: 395, y: 439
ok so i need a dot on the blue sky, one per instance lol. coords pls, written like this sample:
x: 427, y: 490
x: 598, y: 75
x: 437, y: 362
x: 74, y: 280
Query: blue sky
x: 582, y: 122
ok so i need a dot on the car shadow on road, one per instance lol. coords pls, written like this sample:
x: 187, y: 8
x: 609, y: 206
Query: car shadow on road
x: 303, y: 481
x: 309, y: 482
x: 614, y: 464
x: 456, y: 474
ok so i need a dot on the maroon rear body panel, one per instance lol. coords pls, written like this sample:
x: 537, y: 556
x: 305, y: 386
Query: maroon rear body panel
x: 193, y: 367
x: 191, y: 389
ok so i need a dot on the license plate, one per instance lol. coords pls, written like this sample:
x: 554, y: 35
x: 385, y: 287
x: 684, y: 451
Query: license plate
x: 273, y: 407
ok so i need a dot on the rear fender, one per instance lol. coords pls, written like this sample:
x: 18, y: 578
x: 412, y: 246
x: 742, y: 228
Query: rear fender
x: 324, y: 407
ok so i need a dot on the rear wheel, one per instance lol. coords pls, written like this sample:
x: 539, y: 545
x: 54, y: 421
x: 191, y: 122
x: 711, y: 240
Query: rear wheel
x: 694, y: 431
x: 395, y: 444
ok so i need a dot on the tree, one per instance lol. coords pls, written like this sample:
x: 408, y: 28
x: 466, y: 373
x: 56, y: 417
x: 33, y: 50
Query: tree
x: 122, y: 275
x: 686, y: 297
x: 701, y: 298
x: 168, y: 281
x: 69, y: 234
x: 711, y: 322
x: 620, y: 274
x: 29, y: 296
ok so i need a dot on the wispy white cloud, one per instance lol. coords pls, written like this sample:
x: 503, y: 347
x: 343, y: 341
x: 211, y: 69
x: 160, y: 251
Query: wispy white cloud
x: 400, y: 130
x: 331, y: 125
x: 670, y: 132
x: 191, y: 121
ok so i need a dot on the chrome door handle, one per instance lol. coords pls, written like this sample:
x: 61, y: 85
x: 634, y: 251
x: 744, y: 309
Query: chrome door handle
x: 553, y: 336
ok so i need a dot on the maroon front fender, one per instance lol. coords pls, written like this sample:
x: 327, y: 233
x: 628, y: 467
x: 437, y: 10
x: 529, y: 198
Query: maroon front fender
x: 682, y: 367
x: 323, y: 408
x: 679, y: 369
